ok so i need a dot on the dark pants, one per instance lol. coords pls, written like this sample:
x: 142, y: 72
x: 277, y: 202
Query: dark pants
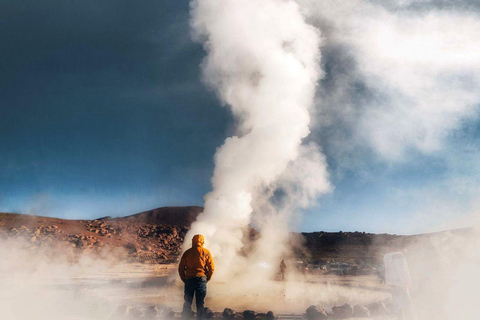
x: 197, y: 286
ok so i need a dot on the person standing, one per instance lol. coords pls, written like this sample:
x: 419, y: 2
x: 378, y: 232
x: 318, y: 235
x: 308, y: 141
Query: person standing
x: 397, y: 276
x: 195, y: 269
x: 283, y: 269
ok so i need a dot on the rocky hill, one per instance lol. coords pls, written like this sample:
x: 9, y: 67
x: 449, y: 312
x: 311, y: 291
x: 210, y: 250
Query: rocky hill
x: 173, y: 216
x: 156, y: 236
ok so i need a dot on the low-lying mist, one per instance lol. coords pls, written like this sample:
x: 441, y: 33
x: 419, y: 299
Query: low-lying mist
x: 56, y: 283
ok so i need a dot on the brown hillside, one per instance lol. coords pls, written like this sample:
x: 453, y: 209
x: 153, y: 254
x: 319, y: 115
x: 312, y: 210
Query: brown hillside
x: 156, y: 236
x: 174, y: 216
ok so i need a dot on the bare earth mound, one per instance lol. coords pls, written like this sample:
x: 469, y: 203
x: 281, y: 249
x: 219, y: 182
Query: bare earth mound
x: 156, y: 236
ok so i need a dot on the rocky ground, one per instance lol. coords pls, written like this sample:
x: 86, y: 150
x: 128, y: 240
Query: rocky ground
x: 142, y: 282
x: 377, y: 310
x: 145, y: 237
x: 156, y: 236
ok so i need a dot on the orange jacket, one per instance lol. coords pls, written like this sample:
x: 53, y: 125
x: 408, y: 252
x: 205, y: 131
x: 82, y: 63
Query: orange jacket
x: 196, y: 261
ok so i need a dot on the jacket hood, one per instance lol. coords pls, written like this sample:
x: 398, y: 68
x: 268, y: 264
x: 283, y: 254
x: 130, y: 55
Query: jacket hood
x: 197, y: 241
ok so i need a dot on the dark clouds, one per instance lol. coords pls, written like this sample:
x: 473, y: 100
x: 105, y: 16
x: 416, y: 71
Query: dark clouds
x: 100, y: 44
x: 103, y: 95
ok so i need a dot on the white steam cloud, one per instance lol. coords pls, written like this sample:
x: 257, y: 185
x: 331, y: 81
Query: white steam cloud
x: 408, y: 78
x: 263, y: 62
x: 399, y: 78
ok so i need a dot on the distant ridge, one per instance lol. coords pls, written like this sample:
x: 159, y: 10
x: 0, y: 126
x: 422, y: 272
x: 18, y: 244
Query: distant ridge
x: 174, y: 216
x: 154, y: 236
x: 157, y: 235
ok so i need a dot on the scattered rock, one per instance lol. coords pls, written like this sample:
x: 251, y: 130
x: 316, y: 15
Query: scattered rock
x: 249, y: 314
x: 131, y: 247
x: 270, y: 315
x: 228, y: 313
x: 100, y: 228
x: 342, y: 312
x: 149, y: 243
x: 151, y: 312
x: 316, y: 313
x: 208, y: 313
x: 360, y: 311
x: 168, y: 313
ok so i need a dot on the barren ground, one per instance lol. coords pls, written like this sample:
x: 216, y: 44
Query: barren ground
x: 84, y: 269
x: 96, y: 293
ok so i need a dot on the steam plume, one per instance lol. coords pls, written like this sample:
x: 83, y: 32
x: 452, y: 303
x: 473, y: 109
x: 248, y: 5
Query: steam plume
x: 403, y: 75
x: 263, y: 62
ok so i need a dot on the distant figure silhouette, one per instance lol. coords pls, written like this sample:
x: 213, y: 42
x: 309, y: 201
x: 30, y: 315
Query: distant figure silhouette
x: 195, y: 269
x: 283, y: 269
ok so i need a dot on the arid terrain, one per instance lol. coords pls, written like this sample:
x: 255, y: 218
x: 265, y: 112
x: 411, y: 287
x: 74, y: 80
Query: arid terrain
x: 156, y: 236
x: 93, y: 269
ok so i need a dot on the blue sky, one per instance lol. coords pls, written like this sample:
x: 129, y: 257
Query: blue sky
x: 103, y: 112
